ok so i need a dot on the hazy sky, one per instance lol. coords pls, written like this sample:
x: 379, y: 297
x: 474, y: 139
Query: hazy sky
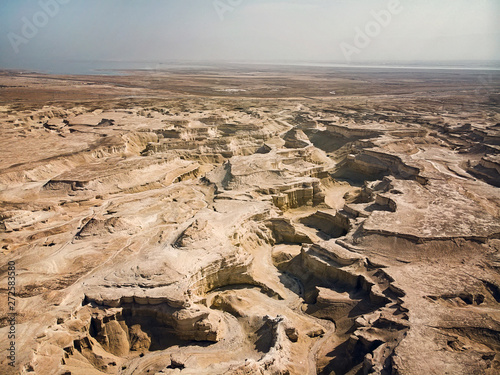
x: 32, y: 34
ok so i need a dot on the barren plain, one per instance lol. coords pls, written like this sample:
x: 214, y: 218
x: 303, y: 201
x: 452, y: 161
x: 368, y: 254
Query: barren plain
x: 252, y: 220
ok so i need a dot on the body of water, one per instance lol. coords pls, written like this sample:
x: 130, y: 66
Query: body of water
x: 120, y: 67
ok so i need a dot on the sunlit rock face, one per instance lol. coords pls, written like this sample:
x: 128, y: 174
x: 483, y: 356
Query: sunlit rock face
x: 194, y: 230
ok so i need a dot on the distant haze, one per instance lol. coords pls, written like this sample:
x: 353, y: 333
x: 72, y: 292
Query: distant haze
x: 38, y: 34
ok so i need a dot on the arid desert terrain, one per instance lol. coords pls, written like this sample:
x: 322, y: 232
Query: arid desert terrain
x: 251, y: 220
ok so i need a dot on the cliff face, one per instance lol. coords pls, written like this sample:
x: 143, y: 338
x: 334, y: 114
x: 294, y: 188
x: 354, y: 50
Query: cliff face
x: 213, y: 237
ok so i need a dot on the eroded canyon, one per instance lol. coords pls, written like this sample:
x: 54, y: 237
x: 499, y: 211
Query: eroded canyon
x: 253, y: 221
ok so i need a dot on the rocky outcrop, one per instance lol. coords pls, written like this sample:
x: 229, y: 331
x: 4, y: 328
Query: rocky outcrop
x: 488, y: 169
x: 298, y: 195
x: 296, y: 138
x: 374, y: 164
x: 332, y: 225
